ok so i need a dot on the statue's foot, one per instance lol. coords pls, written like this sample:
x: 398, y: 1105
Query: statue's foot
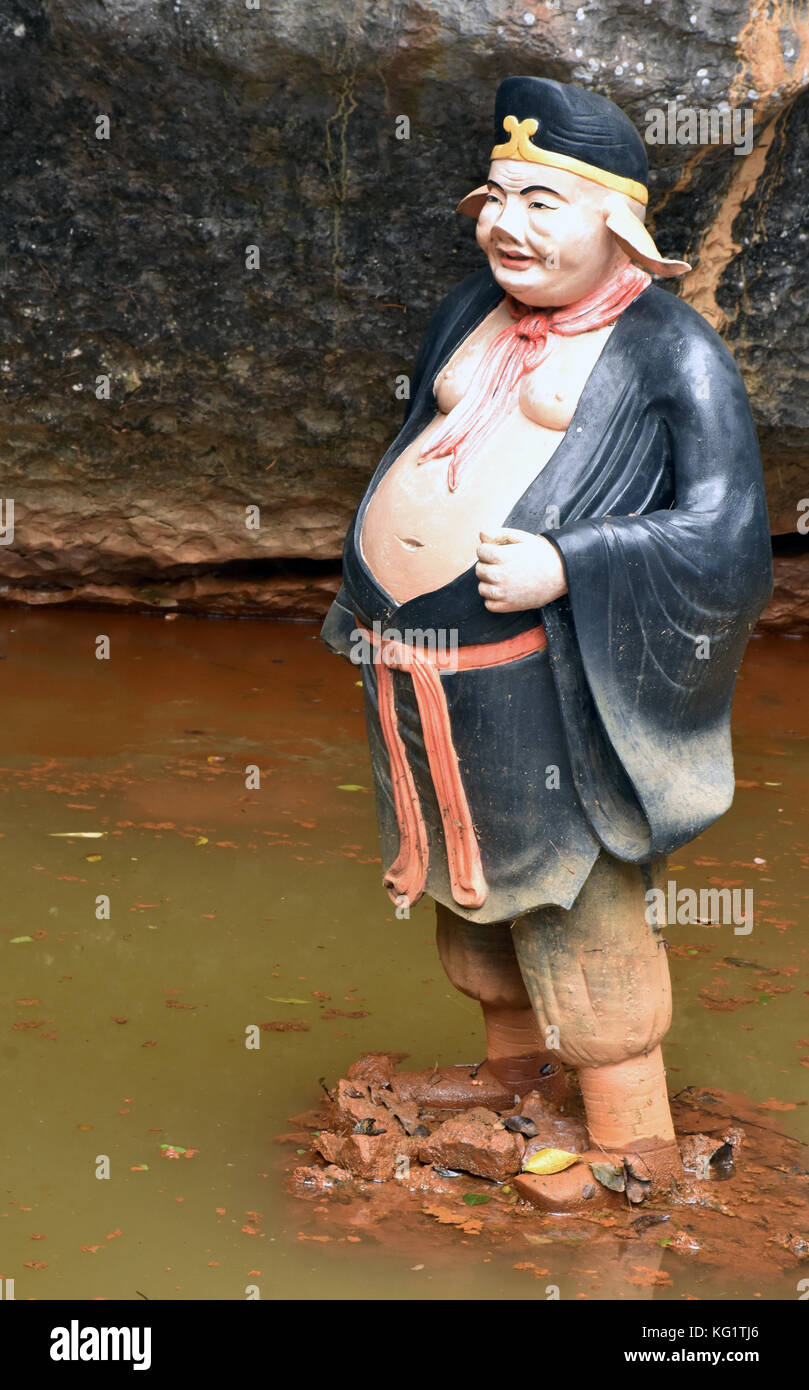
x: 491, y: 1084
x: 643, y: 1171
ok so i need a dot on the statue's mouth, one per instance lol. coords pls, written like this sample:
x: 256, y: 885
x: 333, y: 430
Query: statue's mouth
x: 514, y: 260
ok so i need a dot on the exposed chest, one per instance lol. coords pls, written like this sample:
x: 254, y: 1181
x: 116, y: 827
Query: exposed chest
x: 549, y: 394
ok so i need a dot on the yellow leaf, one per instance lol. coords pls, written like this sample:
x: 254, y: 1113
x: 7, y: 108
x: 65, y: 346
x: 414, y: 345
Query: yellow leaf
x: 203, y: 840
x: 549, y: 1161
x: 92, y: 858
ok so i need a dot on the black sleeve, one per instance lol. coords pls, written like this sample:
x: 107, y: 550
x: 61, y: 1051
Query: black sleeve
x: 339, y: 624
x: 646, y: 645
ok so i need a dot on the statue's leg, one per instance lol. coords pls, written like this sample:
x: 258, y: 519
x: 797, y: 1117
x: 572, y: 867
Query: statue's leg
x: 598, y: 974
x: 480, y: 961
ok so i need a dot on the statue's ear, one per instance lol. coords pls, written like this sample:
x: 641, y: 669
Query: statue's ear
x: 634, y: 239
x: 473, y: 202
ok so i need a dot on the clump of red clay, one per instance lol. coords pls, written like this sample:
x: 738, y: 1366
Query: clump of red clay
x: 398, y: 1163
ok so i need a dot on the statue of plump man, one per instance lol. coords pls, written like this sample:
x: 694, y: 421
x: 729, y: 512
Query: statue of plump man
x: 552, y: 578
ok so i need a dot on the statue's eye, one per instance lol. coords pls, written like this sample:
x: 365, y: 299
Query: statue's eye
x: 492, y: 198
x: 537, y: 204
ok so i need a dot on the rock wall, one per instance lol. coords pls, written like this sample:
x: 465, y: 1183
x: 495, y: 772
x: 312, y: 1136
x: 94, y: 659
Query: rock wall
x: 266, y: 378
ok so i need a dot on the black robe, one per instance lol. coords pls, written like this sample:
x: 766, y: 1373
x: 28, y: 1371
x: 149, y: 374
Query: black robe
x: 618, y: 735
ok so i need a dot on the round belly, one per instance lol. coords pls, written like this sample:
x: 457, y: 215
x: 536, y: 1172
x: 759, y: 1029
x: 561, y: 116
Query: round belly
x: 418, y: 536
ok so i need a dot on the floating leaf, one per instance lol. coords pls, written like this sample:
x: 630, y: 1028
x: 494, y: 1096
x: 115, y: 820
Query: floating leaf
x: 609, y: 1176
x: 92, y: 858
x: 546, y: 1161
x: 203, y: 840
x: 476, y: 1199
x: 274, y: 999
x: 17, y: 940
x: 77, y: 834
x: 350, y: 787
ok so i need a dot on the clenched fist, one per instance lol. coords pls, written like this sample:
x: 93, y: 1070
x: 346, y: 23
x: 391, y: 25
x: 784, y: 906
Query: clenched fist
x: 518, y: 570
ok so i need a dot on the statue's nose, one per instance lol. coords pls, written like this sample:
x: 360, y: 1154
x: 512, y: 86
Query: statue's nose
x: 510, y: 223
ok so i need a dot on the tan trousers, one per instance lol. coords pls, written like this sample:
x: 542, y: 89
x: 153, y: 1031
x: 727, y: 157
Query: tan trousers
x: 596, y: 975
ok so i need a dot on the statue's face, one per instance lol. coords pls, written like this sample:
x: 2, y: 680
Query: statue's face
x: 544, y: 233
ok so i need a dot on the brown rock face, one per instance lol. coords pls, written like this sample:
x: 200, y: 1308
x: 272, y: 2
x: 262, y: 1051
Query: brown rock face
x: 471, y: 1143
x: 210, y: 308
x: 788, y: 609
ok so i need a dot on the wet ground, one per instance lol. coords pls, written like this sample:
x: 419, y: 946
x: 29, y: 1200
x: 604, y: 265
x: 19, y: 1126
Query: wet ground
x: 123, y: 1038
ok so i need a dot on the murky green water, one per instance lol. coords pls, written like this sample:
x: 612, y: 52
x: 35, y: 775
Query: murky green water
x: 119, y: 1035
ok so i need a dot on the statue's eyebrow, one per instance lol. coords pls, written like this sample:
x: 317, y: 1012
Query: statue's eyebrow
x: 532, y: 188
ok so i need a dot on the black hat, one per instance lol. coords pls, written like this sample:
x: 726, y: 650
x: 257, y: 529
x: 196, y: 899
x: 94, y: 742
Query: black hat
x: 566, y: 127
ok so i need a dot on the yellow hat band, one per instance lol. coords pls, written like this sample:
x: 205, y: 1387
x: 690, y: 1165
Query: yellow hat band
x: 519, y: 146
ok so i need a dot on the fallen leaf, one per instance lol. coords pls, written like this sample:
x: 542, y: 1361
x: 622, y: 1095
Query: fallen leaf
x: 647, y: 1278
x: 290, y: 1025
x: 546, y: 1161
x: 77, y: 834
x: 345, y: 1013
x: 609, y: 1175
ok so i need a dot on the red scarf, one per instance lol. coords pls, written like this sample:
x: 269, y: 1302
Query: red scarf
x: 518, y: 349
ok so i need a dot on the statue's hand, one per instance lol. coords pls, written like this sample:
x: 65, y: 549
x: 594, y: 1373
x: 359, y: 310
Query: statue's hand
x: 518, y: 570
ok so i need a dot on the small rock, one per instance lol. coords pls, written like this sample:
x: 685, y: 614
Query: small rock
x: 521, y: 1124
x: 320, y: 1178
x: 366, y: 1156
x: 553, y: 1130
x: 471, y: 1143
x: 352, y: 1106
x: 698, y: 1151
x: 375, y: 1068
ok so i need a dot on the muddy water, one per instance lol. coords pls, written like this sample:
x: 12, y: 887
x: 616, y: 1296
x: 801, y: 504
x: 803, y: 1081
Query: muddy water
x: 231, y: 907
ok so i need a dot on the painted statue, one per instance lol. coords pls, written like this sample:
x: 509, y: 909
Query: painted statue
x: 555, y: 569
